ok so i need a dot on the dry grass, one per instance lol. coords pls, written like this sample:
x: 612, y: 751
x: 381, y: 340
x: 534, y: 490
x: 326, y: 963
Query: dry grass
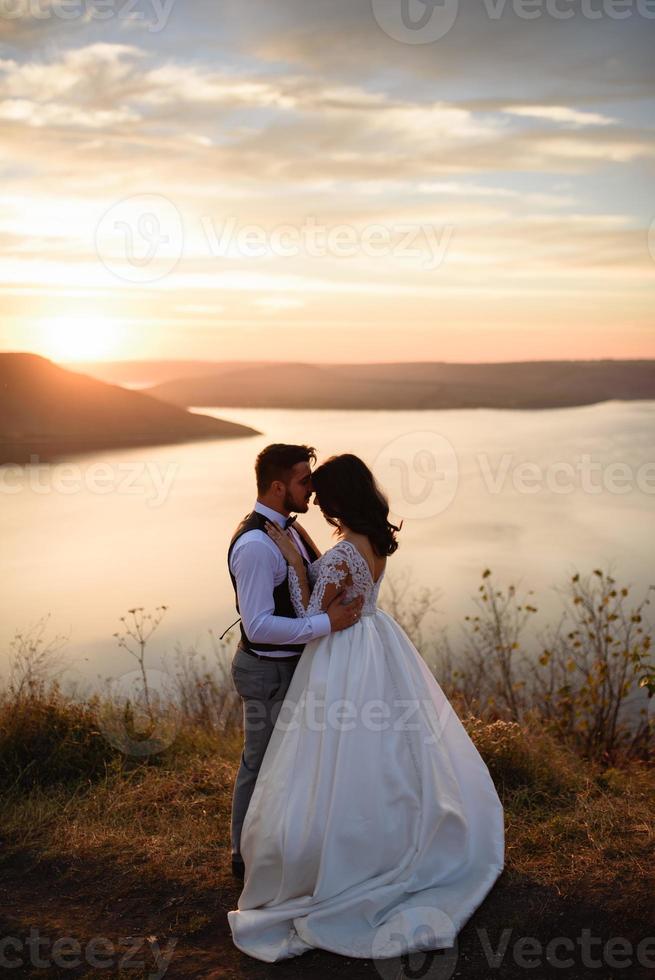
x: 146, y: 850
x: 174, y: 816
x: 572, y: 824
x: 566, y: 821
x: 602, y: 844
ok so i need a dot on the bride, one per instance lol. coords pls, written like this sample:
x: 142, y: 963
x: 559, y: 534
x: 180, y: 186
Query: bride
x: 373, y: 814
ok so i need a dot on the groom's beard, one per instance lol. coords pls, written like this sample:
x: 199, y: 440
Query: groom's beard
x: 298, y: 506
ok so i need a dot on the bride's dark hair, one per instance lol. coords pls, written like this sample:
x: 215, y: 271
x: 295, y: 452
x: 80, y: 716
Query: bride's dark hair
x: 347, y: 493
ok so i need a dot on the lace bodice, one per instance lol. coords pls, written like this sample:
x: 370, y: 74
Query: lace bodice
x: 342, y: 561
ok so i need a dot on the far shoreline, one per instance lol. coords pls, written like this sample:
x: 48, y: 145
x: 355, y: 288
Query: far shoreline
x: 419, y: 408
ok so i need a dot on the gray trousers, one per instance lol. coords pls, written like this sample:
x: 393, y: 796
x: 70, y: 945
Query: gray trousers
x: 262, y: 686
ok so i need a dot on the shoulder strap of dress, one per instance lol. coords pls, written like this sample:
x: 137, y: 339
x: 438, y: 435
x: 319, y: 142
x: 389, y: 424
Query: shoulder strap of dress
x: 354, y: 549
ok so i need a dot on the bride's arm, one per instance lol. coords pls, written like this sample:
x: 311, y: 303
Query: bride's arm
x: 331, y: 581
x: 298, y: 586
x: 333, y: 575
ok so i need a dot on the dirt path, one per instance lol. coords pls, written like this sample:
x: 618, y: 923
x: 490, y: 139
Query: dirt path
x: 147, y: 920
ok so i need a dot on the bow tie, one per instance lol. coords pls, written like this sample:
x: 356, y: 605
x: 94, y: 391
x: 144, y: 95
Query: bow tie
x: 290, y: 520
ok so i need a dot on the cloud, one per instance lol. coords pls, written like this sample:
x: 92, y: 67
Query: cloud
x: 270, y: 124
x: 575, y: 58
x: 560, y: 114
x: 33, y: 114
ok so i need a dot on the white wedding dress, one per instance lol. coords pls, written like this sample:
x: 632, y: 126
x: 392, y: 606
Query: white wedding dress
x: 375, y: 818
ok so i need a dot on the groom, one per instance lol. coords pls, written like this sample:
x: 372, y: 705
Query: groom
x: 272, y: 638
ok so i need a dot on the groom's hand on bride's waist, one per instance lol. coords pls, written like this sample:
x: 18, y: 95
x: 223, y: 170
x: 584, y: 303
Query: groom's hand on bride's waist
x: 344, y: 614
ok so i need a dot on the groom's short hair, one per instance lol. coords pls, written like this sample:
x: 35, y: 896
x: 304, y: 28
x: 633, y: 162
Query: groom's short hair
x: 276, y: 462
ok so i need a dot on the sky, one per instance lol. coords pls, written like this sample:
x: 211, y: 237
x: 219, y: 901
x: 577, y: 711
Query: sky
x: 327, y: 180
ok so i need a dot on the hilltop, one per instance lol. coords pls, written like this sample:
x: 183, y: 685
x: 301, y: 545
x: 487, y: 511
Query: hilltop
x: 513, y: 385
x: 50, y: 411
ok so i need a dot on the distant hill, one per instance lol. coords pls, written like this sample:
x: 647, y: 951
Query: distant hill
x: 523, y: 385
x: 148, y: 373
x: 49, y: 411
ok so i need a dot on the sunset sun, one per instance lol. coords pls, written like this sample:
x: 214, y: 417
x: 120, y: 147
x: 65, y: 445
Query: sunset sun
x: 78, y: 337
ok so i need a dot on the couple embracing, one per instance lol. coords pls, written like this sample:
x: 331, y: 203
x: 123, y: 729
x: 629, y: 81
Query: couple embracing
x: 361, y: 808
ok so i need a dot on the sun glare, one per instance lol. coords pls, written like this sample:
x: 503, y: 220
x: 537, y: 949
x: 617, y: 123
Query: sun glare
x: 78, y: 337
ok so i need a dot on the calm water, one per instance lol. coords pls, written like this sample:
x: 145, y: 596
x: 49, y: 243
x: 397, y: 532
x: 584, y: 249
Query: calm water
x: 86, y: 556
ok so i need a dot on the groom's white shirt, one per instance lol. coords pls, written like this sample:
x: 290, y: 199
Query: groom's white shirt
x: 259, y: 566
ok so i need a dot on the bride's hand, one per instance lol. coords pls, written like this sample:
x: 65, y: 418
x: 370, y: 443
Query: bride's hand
x: 285, y: 543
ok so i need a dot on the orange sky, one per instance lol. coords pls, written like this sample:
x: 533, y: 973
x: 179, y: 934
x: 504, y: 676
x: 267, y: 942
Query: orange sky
x: 299, y: 184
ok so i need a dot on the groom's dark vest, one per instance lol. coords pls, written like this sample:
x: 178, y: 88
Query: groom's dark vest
x: 281, y: 595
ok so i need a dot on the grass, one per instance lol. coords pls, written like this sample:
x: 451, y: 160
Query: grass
x: 142, y: 850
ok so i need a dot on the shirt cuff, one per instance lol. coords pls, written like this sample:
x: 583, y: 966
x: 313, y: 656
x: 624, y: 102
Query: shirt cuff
x: 321, y: 625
